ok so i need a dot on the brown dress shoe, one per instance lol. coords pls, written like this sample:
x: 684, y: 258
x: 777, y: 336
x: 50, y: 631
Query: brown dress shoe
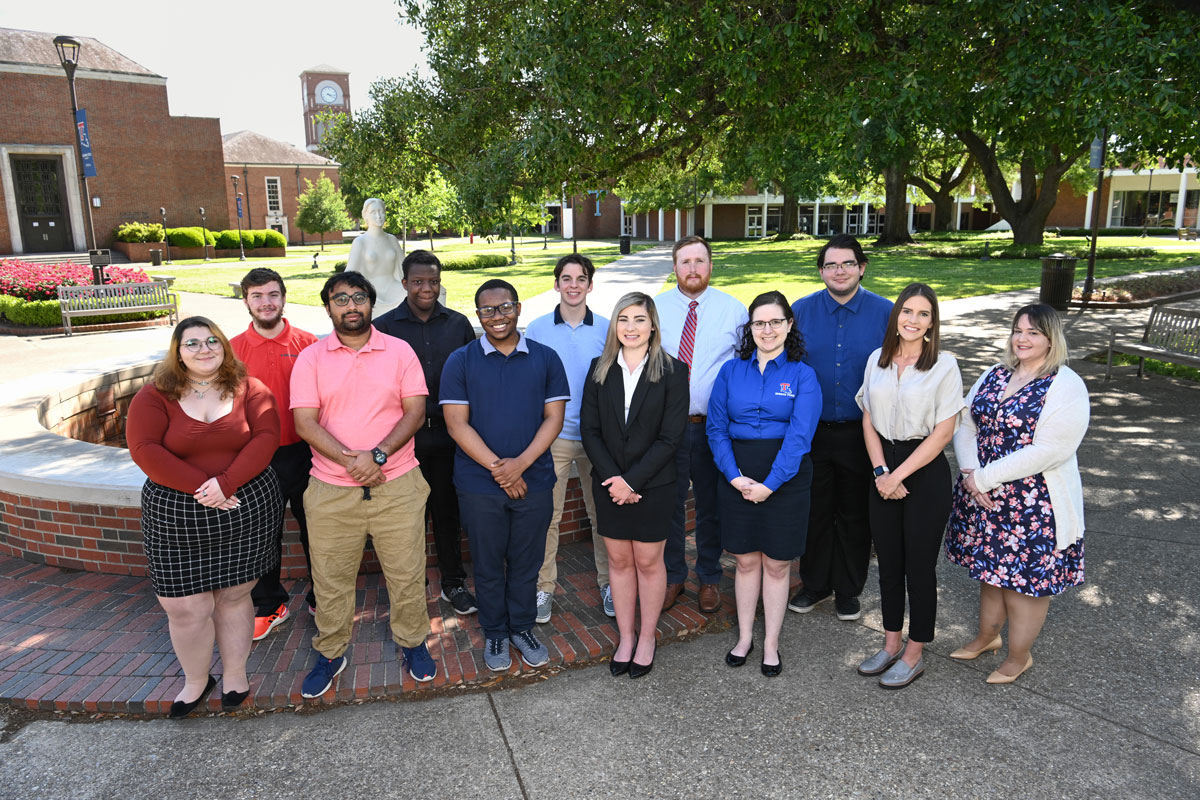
x: 710, y: 598
x: 673, y: 592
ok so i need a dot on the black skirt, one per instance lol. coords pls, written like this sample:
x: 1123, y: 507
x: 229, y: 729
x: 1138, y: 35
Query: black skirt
x: 776, y: 527
x: 191, y: 548
x: 647, y: 520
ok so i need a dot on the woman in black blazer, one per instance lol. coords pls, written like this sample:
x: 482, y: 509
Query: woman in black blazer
x: 635, y: 406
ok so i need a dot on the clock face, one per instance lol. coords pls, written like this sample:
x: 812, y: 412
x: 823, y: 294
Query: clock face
x: 329, y: 94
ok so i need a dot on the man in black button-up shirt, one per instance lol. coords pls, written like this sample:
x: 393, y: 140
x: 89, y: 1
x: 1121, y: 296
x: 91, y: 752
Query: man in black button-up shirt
x: 434, y: 332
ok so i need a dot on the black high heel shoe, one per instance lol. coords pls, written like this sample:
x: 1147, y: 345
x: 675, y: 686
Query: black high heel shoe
x: 180, y: 710
x: 738, y: 661
x: 619, y: 668
x: 232, y: 700
x: 637, y: 670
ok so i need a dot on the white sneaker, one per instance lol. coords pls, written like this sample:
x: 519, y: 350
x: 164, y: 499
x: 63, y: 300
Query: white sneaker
x: 545, y: 605
x: 606, y: 596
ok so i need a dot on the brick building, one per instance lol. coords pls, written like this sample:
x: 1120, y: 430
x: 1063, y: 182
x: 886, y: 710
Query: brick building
x: 271, y: 176
x: 145, y: 158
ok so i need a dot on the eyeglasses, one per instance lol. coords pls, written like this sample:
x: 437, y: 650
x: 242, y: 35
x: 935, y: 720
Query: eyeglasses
x: 760, y: 325
x: 358, y: 298
x: 845, y: 266
x: 196, y: 345
x: 486, y: 312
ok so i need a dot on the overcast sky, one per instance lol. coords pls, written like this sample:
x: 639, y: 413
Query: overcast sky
x: 239, y: 61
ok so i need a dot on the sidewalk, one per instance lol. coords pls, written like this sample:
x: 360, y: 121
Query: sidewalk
x: 1111, y: 707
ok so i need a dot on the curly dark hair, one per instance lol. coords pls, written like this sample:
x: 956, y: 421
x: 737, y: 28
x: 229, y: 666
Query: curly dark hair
x: 793, y: 344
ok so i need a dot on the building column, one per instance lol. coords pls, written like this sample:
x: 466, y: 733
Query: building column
x: 910, y: 207
x: 816, y: 217
x: 957, y: 214
x: 1087, y: 210
x: 1109, y: 208
x: 660, y: 225
x: 764, y: 210
x: 865, y: 219
x: 1182, y: 203
x: 708, y: 230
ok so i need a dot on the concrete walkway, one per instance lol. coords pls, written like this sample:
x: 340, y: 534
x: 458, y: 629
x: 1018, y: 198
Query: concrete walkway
x: 1110, y: 708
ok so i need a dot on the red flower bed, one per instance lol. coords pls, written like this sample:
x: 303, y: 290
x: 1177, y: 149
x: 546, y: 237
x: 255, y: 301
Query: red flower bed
x: 41, y: 281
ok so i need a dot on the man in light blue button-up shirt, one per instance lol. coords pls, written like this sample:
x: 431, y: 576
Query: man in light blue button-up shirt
x: 577, y: 335
x: 841, y: 325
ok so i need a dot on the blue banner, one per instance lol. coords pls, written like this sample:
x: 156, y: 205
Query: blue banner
x: 85, y: 143
x: 239, y: 205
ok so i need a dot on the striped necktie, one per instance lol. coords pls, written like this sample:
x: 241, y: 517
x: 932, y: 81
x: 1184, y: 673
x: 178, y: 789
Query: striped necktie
x: 688, y: 340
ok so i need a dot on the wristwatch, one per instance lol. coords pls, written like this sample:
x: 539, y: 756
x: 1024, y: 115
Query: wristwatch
x: 879, y: 471
x: 378, y: 456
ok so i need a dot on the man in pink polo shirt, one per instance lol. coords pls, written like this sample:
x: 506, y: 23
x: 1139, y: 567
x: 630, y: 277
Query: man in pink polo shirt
x: 358, y: 396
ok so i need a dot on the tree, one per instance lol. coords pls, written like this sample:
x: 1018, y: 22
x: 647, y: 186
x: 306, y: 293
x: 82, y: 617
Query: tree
x: 321, y: 209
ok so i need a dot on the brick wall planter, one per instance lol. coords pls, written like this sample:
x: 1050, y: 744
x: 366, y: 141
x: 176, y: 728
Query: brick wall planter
x: 139, y: 252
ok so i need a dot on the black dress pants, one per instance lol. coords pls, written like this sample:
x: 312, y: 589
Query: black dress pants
x: 908, y: 541
x: 292, y: 463
x: 435, y: 452
x: 839, y: 539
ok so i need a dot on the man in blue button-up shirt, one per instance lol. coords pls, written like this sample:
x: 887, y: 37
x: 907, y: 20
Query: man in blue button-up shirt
x: 841, y: 324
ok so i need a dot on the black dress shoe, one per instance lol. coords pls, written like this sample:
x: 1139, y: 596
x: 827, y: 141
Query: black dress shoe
x: 618, y: 668
x: 231, y: 700
x: 773, y: 670
x: 637, y: 670
x: 180, y: 710
x: 738, y: 661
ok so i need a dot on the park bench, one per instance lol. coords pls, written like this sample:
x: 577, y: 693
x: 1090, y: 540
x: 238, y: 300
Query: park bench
x: 1187, y: 234
x: 115, y: 298
x: 1172, y: 334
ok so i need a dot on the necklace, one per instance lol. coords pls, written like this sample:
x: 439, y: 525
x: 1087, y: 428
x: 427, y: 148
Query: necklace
x: 199, y: 394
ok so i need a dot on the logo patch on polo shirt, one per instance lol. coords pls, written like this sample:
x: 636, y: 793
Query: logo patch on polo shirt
x: 785, y: 390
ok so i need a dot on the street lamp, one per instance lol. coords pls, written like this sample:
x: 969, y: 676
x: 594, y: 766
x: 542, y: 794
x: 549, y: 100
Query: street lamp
x: 68, y: 56
x: 162, y: 212
x: 237, y: 196
x: 204, y: 232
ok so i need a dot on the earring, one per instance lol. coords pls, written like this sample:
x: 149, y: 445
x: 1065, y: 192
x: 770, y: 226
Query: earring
x: 927, y: 337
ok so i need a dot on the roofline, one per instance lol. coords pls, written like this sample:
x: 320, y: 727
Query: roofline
x: 283, y: 164
x: 83, y: 72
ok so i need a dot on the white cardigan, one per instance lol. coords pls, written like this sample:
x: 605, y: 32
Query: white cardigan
x: 1059, y: 431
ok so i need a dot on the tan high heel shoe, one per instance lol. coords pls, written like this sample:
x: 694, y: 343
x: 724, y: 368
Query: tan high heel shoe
x: 963, y: 654
x: 1000, y: 677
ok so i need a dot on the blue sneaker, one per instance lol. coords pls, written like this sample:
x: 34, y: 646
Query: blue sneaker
x: 606, y: 595
x: 496, y: 655
x: 321, y: 678
x: 420, y: 664
x: 533, y: 652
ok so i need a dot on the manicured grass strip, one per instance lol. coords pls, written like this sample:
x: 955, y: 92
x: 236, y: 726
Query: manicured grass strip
x: 1152, y: 365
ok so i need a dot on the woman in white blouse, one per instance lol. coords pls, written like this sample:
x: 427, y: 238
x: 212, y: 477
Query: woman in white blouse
x: 1017, y: 521
x: 910, y: 397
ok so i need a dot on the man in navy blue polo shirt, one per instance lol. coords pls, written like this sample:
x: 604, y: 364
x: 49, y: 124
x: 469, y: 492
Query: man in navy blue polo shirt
x: 503, y: 398
x: 577, y: 335
x: 841, y: 324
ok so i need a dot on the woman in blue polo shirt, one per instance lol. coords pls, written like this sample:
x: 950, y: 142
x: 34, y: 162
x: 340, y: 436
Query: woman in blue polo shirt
x: 761, y: 417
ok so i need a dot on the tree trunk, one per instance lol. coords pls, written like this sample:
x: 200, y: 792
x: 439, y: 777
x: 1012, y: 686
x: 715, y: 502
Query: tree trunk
x: 895, y: 221
x: 788, y: 216
x: 943, y: 212
x: 431, y: 240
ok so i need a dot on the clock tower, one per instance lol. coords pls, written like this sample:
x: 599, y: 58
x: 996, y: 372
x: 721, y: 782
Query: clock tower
x: 323, y: 88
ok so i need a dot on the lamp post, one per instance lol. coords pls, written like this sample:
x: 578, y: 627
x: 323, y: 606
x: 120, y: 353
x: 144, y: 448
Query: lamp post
x: 237, y: 196
x: 1146, y: 210
x: 162, y: 212
x: 68, y: 56
x: 1099, y: 149
x: 204, y: 232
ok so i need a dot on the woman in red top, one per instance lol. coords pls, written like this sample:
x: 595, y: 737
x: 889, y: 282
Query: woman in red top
x: 204, y: 433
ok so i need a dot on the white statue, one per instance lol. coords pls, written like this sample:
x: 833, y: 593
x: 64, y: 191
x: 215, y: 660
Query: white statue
x: 378, y: 256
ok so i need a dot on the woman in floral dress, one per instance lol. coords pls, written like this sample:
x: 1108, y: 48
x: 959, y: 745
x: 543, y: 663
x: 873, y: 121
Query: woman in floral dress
x: 1017, y: 517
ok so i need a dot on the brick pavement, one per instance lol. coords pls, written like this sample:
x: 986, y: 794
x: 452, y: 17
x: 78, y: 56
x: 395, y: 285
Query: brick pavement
x: 81, y: 641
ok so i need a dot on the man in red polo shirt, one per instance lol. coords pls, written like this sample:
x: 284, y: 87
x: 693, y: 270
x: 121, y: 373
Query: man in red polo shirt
x: 269, y: 348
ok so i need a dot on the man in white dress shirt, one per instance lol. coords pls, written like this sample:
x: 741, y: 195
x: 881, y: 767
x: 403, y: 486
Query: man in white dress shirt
x: 699, y: 327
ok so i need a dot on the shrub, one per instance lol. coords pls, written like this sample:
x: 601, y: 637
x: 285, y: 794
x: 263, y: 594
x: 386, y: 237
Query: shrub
x: 340, y: 266
x: 976, y: 249
x: 273, y: 238
x: 257, y: 237
x: 139, y: 232
x: 480, y: 261
x: 46, y: 314
x: 185, y: 237
x: 1128, y: 289
x: 27, y: 281
x: 1152, y: 231
x: 228, y: 240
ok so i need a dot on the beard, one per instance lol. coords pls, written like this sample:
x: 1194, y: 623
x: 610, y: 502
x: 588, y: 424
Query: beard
x: 353, y: 326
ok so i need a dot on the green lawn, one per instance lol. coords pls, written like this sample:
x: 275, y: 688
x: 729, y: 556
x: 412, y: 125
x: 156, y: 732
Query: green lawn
x: 746, y: 269
x: 531, y: 277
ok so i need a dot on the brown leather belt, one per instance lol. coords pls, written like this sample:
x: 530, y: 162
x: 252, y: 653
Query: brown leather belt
x: 697, y: 419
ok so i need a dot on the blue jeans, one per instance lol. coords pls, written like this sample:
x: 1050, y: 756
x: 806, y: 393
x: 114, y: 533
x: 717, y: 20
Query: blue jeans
x: 508, y: 541
x: 695, y: 466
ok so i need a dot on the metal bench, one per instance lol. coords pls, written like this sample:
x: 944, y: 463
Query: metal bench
x: 115, y: 298
x: 1187, y: 234
x: 1172, y: 334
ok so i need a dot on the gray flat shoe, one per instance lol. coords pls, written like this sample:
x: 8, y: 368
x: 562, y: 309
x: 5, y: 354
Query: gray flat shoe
x: 878, y: 662
x: 901, y: 674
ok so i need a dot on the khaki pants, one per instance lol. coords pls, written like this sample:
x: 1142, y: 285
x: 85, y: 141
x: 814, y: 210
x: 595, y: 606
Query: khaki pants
x: 566, y: 452
x: 339, y: 521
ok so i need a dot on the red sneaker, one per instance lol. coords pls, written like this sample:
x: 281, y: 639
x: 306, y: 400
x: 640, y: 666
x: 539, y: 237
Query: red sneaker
x: 264, y: 625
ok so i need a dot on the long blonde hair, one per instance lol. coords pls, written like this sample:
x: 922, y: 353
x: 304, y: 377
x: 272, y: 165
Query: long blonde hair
x: 658, y: 362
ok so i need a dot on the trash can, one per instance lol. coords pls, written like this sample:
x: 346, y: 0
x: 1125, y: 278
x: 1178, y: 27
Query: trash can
x: 156, y: 257
x: 1058, y: 278
x: 626, y: 248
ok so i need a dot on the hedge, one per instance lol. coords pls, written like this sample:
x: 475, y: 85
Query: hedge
x: 976, y: 250
x: 46, y: 314
x: 189, y: 237
x: 140, y: 232
x: 1150, y: 231
x: 462, y: 263
x: 273, y: 238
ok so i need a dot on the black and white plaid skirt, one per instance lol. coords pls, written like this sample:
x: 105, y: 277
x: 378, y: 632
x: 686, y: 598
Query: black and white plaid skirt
x: 192, y: 548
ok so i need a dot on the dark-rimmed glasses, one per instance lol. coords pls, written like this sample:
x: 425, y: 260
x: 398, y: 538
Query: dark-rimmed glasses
x: 195, y: 345
x: 760, y: 325
x: 486, y: 312
x: 343, y: 299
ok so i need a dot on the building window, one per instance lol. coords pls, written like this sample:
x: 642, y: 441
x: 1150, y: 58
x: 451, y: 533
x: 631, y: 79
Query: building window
x: 1156, y: 208
x: 274, y: 204
x: 774, y: 217
x: 829, y: 220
